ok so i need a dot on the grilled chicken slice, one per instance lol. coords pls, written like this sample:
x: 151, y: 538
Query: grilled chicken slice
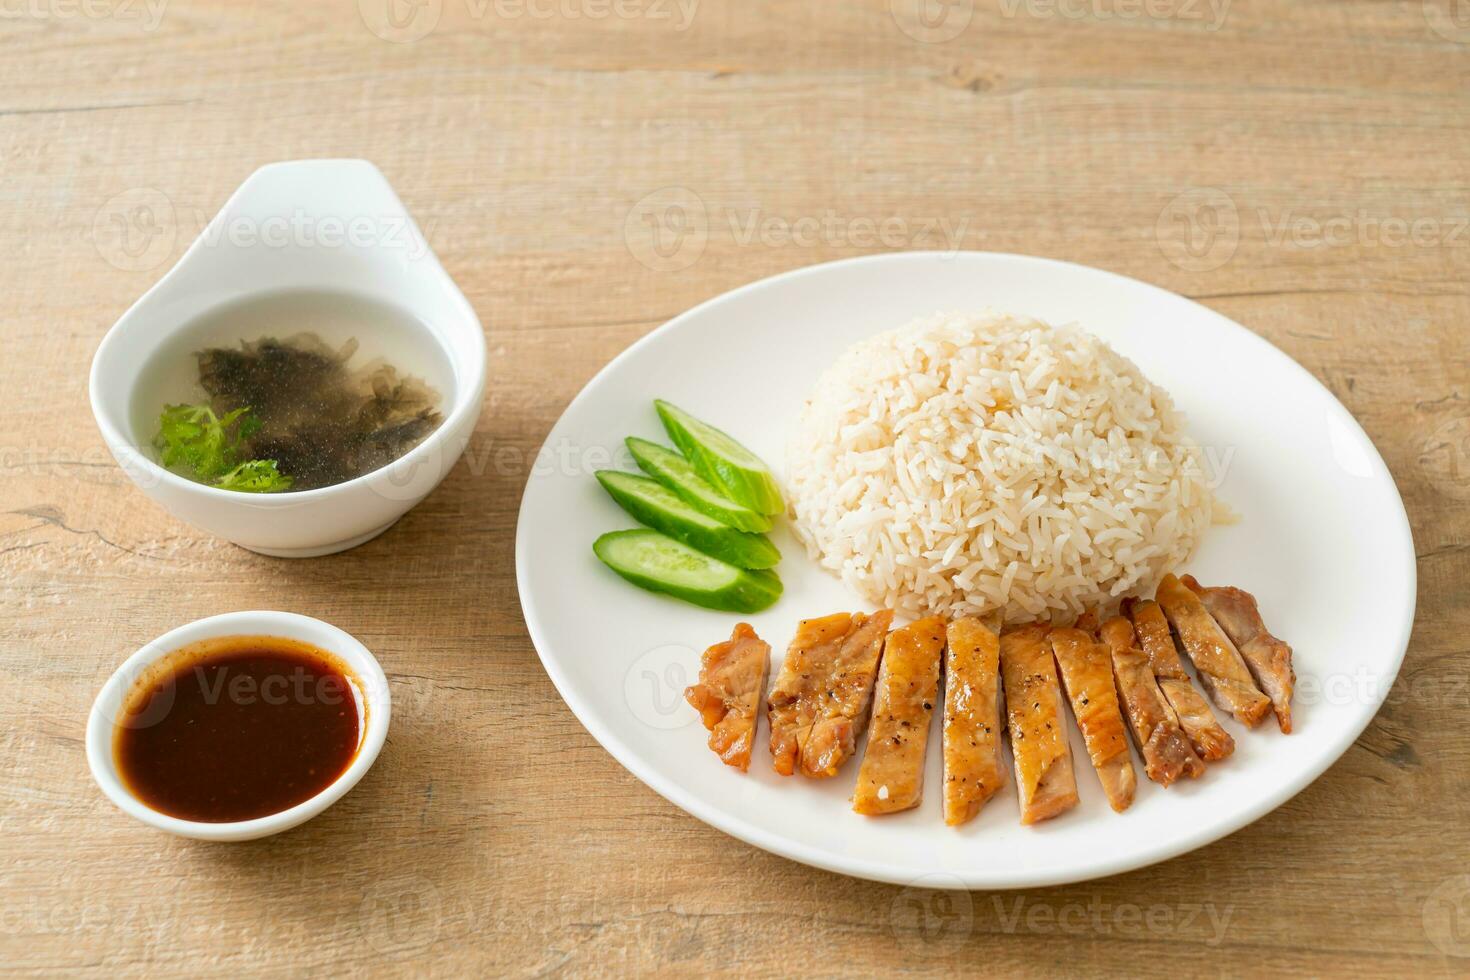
x: 891, y: 777
x: 1034, y: 716
x: 732, y: 680
x: 1268, y: 658
x: 1222, y: 671
x: 1154, y: 639
x: 973, y: 770
x: 1087, y: 679
x: 795, y: 699
x: 1165, y: 748
x: 819, y: 705
x: 1211, y: 742
x: 843, y: 714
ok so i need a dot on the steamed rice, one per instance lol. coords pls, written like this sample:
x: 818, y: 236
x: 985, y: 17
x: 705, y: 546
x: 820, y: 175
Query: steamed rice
x: 962, y: 464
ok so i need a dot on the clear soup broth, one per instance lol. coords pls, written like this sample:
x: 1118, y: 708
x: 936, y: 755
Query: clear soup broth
x: 291, y: 391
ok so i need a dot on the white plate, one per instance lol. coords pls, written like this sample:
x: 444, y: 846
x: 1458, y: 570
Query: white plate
x: 1323, y: 542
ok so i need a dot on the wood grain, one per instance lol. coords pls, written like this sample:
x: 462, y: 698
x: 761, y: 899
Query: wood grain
x: 1299, y: 166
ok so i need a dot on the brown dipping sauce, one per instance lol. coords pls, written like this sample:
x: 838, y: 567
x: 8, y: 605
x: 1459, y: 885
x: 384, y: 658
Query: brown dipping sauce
x: 238, y: 727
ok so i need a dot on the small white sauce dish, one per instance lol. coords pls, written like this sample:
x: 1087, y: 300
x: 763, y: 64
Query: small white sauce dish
x: 331, y: 226
x: 370, y: 686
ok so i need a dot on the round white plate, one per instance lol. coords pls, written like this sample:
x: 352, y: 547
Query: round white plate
x: 1323, y: 542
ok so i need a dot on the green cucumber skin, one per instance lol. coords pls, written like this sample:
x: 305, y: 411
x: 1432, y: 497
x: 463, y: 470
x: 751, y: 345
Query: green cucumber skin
x: 755, y: 489
x: 651, y: 459
x: 748, y: 591
x: 714, y: 539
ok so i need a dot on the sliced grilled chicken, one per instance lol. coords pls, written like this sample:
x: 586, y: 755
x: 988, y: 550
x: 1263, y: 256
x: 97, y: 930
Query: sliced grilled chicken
x: 1268, y: 658
x: 1033, y: 695
x: 973, y: 770
x: 1087, y: 679
x: 1210, y: 741
x: 1221, y: 669
x: 732, y: 679
x: 891, y: 777
x: 1154, y: 639
x: 1165, y: 748
x: 795, y: 699
x: 819, y: 705
x: 844, y: 712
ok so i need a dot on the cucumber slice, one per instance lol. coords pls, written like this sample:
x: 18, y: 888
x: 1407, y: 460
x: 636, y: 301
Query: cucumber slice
x: 722, y: 461
x: 654, y: 504
x: 658, y: 563
x: 676, y: 473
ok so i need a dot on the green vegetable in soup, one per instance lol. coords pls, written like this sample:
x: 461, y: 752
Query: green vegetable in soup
x: 256, y: 476
x: 209, y: 448
x: 193, y: 438
x: 722, y: 461
x: 658, y: 563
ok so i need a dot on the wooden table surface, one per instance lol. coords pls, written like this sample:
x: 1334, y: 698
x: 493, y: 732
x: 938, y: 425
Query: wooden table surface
x: 586, y: 169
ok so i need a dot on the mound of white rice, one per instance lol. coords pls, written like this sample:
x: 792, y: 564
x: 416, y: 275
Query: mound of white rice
x: 966, y: 463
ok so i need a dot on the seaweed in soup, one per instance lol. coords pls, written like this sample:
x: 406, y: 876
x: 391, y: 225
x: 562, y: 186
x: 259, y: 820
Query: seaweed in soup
x: 321, y: 422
